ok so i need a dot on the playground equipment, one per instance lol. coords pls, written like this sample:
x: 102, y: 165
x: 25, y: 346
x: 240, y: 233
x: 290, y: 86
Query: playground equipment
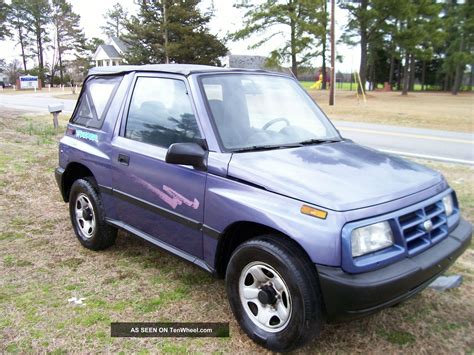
x: 362, y: 89
x: 318, y: 84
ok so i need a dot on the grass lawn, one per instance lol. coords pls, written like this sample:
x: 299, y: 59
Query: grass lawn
x: 42, y: 265
x: 441, y: 111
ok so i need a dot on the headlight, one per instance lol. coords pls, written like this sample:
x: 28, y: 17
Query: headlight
x: 448, y: 204
x: 371, y: 238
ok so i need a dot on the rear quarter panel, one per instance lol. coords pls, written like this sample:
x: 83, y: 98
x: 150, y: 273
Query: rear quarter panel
x: 91, y: 147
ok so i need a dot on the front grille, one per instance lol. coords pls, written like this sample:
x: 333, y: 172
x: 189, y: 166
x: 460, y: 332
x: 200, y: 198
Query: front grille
x: 414, y: 231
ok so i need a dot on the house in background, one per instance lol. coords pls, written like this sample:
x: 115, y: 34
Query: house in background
x: 243, y: 61
x: 111, y: 53
x: 3, y: 78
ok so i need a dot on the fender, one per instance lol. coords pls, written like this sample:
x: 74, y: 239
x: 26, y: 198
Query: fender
x: 229, y: 201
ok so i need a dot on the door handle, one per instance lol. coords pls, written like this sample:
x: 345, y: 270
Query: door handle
x: 123, y: 159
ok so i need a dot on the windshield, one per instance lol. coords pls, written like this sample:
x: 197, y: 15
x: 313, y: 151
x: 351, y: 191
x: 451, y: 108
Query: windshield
x: 253, y: 111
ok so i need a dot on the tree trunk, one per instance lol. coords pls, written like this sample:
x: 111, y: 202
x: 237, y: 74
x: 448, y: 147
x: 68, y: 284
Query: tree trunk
x: 447, y: 79
x: 459, y: 72
x: 22, y: 47
x: 411, y: 85
x: 325, y: 24
x: 363, y: 62
x: 61, y: 75
x: 373, y: 79
x: 39, y: 40
x: 363, y: 45
x: 60, y: 59
x: 423, y: 76
x: 165, y: 20
x: 457, y: 79
x: 324, y: 69
x: 392, y: 69
x: 393, y: 48
x: 294, y: 64
x: 399, y: 74
x: 369, y: 77
x: 406, y: 79
x: 471, y: 78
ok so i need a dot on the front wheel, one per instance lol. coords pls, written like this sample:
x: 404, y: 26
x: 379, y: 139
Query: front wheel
x: 273, y: 292
x: 88, y: 216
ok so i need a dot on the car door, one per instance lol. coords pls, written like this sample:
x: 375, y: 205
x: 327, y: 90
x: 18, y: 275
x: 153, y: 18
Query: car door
x: 163, y: 200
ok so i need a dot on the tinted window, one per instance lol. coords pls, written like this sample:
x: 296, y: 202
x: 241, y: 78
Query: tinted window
x: 97, y: 94
x: 160, y: 113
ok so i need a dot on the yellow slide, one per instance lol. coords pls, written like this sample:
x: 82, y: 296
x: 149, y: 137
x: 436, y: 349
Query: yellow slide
x: 317, y: 84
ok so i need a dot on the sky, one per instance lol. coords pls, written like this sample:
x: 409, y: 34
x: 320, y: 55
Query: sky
x: 226, y: 19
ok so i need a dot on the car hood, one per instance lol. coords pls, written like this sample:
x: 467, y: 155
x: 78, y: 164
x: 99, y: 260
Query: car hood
x: 339, y: 176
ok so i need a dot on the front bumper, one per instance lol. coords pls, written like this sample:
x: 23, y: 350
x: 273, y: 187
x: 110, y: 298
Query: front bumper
x: 349, y: 296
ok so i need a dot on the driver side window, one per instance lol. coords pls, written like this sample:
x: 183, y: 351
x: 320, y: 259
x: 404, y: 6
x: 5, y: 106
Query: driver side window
x: 161, y: 114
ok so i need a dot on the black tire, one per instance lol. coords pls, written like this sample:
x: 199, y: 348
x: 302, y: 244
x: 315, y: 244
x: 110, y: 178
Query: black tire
x: 102, y: 235
x: 300, y: 277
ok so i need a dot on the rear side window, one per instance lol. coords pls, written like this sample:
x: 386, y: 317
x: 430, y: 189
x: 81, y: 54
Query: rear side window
x: 96, y: 96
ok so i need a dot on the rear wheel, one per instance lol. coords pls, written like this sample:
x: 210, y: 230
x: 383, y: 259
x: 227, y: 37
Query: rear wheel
x: 273, y: 292
x: 88, y: 217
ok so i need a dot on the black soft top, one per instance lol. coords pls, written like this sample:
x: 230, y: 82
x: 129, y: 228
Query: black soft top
x: 183, y: 69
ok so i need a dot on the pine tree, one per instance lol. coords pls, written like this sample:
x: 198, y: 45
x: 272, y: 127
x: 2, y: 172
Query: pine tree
x: 20, y: 31
x: 367, y: 18
x: 304, y: 20
x: 459, y: 29
x: 172, y: 31
x: 69, y: 34
x: 4, y: 9
x: 418, y: 36
x: 116, y: 19
x: 39, y: 13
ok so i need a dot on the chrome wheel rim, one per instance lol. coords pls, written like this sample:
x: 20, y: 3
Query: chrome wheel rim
x: 265, y: 297
x: 85, y: 216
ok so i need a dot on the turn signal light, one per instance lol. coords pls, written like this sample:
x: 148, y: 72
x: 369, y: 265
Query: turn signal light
x: 310, y: 211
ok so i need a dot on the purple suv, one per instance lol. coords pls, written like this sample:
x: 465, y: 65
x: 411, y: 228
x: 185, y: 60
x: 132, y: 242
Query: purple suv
x: 241, y: 173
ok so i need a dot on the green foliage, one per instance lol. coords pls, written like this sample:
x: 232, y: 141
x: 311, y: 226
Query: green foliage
x: 4, y: 9
x: 38, y: 13
x: 20, y: 31
x: 367, y: 22
x: 172, y: 31
x: 115, y: 21
x: 459, y: 29
x: 419, y: 32
x: 305, y: 21
x: 69, y: 34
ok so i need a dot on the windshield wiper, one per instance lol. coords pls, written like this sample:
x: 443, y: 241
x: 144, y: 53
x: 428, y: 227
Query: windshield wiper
x: 255, y: 148
x: 318, y: 141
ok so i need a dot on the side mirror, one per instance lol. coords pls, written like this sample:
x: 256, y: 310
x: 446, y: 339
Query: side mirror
x: 187, y: 154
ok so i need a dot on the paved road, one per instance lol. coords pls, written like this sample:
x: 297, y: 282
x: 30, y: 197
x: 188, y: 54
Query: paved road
x: 36, y: 102
x: 412, y: 142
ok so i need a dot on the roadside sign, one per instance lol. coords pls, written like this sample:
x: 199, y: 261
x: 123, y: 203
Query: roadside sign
x: 28, y: 82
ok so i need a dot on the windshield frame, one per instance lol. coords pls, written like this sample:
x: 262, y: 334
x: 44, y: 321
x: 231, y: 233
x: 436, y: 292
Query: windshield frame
x: 215, y: 129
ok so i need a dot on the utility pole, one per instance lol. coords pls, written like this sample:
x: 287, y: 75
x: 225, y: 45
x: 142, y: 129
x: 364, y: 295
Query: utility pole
x: 333, y: 54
